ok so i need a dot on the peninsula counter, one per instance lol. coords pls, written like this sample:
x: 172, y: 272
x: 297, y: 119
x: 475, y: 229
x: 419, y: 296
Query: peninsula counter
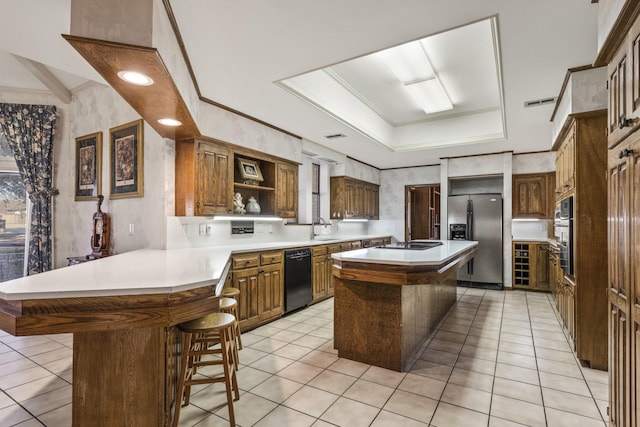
x: 388, y: 301
x: 123, y: 311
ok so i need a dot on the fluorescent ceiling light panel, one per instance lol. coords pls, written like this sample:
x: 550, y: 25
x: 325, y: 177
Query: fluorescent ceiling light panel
x: 408, y: 62
x: 429, y: 95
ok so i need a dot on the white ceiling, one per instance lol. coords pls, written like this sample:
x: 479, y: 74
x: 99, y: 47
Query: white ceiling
x: 239, y: 50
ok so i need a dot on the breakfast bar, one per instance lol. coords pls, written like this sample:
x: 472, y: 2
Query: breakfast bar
x: 387, y: 301
x: 122, y: 311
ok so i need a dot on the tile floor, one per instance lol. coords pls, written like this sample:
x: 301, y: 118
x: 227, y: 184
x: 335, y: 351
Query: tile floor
x: 497, y: 359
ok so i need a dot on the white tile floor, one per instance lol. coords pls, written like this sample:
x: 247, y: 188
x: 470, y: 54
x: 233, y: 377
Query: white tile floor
x: 498, y: 359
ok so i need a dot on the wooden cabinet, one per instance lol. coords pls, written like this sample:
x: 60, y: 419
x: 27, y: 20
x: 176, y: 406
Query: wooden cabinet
x: 556, y: 275
x: 624, y: 87
x: 624, y: 280
x: 352, y: 198
x: 582, y: 148
x: 531, y: 265
x: 565, y: 165
x: 621, y: 53
x: 204, y: 172
x: 286, y: 190
x: 321, y: 272
x: 259, y: 277
x: 533, y: 195
x: 206, y: 179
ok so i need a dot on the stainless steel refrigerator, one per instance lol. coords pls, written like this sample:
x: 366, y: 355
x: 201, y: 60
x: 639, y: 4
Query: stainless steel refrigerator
x: 478, y: 217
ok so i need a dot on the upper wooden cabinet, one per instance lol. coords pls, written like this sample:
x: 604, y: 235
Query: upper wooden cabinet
x: 353, y: 198
x: 533, y: 195
x: 286, y: 190
x: 624, y: 87
x: 207, y: 176
x: 565, y: 165
x: 204, y: 172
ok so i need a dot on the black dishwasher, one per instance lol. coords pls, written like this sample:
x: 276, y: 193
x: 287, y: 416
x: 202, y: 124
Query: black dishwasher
x: 297, y: 279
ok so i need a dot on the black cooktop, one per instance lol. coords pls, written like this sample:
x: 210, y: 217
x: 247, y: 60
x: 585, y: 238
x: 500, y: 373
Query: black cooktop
x: 414, y: 246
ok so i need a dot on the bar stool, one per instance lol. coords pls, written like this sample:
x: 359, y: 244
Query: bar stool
x: 234, y: 293
x: 200, y: 338
x: 229, y: 305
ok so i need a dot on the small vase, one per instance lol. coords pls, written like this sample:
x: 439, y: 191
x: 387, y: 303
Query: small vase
x: 252, y: 206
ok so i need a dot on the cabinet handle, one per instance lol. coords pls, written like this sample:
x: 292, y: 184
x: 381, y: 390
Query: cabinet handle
x: 625, y: 153
x: 261, y: 271
x: 623, y: 122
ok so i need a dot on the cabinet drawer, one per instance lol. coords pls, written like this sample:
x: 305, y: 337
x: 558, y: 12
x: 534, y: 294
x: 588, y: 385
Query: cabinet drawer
x: 334, y: 248
x: 245, y: 261
x: 267, y: 258
x: 319, y: 250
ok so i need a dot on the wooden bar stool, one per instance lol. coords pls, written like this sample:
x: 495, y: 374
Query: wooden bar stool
x: 201, y: 337
x: 234, y: 293
x: 230, y: 305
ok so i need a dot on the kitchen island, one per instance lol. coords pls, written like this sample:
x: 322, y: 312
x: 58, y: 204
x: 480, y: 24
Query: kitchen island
x: 388, y: 301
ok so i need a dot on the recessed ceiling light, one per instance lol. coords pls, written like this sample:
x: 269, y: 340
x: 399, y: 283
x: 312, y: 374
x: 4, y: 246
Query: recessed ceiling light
x: 135, y: 78
x: 169, y: 122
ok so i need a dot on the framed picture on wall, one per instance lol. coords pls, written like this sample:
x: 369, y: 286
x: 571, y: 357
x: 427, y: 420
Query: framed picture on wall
x: 126, y: 152
x: 88, y: 180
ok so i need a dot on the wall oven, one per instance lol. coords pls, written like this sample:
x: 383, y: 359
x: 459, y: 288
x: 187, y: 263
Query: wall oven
x: 563, y: 230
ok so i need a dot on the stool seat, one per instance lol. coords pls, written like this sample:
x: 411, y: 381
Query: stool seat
x: 207, y: 323
x: 230, y: 292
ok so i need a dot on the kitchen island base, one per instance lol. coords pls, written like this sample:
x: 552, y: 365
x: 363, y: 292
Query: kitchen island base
x: 386, y: 325
x: 383, y: 313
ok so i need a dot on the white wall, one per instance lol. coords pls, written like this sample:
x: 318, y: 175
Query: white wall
x: 97, y: 108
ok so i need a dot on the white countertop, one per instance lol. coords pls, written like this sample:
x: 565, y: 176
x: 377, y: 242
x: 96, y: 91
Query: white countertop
x: 534, y: 239
x: 433, y: 256
x: 145, y: 271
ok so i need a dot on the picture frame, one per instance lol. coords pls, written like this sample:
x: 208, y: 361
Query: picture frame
x: 88, y: 167
x: 127, y: 160
x: 249, y: 170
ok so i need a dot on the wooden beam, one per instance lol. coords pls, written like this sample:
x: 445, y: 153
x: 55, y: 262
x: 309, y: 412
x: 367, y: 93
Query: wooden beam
x: 47, y: 78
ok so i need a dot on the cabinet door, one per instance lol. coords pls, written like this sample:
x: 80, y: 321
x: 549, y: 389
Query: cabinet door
x: 530, y: 196
x: 541, y: 279
x: 619, y: 368
x: 271, y: 292
x: 319, y: 277
x: 287, y: 190
x: 618, y: 104
x: 213, y: 174
x: 329, y: 267
x: 350, y: 199
x: 247, y: 282
x: 619, y: 211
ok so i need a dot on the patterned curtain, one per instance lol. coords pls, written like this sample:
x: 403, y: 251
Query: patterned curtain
x: 30, y: 130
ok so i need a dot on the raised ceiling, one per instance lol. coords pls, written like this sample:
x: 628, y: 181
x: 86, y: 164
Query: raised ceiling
x: 240, y: 51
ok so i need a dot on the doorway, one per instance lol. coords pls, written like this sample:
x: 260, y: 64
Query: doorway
x: 422, y: 212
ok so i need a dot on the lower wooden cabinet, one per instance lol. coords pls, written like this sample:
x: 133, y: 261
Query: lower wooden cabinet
x: 531, y: 265
x: 624, y: 282
x: 260, y: 279
x: 321, y: 269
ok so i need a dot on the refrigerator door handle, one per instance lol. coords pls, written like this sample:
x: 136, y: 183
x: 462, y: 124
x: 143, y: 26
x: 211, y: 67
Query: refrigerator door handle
x: 470, y: 232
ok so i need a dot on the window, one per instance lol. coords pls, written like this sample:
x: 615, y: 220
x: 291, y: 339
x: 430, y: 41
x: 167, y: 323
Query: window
x: 315, y: 193
x: 13, y: 214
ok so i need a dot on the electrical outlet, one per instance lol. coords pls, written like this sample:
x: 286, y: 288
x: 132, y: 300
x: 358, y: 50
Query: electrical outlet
x: 131, y: 229
x: 185, y: 229
x: 203, y: 229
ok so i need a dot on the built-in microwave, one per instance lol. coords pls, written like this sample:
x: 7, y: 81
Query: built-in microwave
x: 563, y: 229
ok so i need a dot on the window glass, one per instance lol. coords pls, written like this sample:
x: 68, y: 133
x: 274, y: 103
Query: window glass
x: 13, y: 214
x: 315, y: 193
